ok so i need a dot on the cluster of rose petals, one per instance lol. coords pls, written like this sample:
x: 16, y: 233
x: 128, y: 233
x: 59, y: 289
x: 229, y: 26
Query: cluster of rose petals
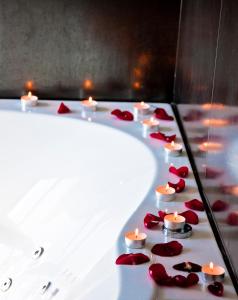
x: 216, y: 288
x: 179, y: 186
x: 161, y: 277
x: 161, y: 113
x: 132, y: 259
x: 63, y: 109
x: 123, y: 115
x: 188, y: 267
x: 194, y: 204
x: 167, y: 249
x: 151, y: 220
x: 161, y: 136
x: 181, y: 172
x: 219, y: 205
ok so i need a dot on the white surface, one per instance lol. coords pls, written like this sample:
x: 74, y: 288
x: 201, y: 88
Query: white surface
x: 75, y: 188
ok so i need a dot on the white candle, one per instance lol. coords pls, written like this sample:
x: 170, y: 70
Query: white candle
x: 135, y: 239
x: 165, y: 193
x: 211, y: 147
x: 150, y: 124
x: 90, y: 104
x: 174, y: 221
x: 141, y: 108
x: 173, y: 149
x: 29, y: 100
x: 213, y: 272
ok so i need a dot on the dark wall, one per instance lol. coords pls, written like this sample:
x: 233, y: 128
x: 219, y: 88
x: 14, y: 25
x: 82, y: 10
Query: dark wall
x: 71, y: 48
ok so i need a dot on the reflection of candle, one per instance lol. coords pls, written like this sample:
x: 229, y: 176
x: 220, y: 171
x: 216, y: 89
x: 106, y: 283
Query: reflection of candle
x: 135, y: 239
x: 29, y: 100
x: 173, y: 149
x: 215, y: 122
x: 165, y: 193
x: 141, y: 108
x: 208, y: 106
x: 174, y: 221
x: 211, y: 147
x: 89, y: 104
x: 150, y: 124
x: 213, y: 272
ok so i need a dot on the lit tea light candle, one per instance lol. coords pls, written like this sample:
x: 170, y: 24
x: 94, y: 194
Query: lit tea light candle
x: 141, y: 108
x: 173, y: 149
x: 211, y: 147
x: 165, y: 193
x: 29, y: 100
x: 215, y: 122
x: 90, y: 104
x: 174, y: 221
x: 135, y: 239
x: 150, y: 124
x: 209, y: 106
x: 213, y: 272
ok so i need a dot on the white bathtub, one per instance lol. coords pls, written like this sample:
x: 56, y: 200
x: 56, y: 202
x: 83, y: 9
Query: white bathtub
x: 69, y: 186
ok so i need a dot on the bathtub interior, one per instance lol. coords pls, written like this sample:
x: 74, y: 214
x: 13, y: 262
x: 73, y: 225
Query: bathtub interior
x: 69, y: 186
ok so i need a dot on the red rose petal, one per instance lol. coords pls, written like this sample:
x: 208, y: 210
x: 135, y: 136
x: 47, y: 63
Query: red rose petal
x: 123, y: 115
x: 161, y: 114
x: 63, y: 109
x: 179, y: 186
x: 159, y: 275
x: 167, y: 249
x: 132, y: 259
x: 161, y: 136
x: 194, y: 204
x: 151, y: 221
x: 219, y: 205
x: 192, y: 279
x: 162, y: 214
x: 190, y: 216
x: 232, y: 218
x: 212, y: 173
x: 188, y: 267
x: 216, y: 288
x: 181, y: 172
x: 193, y: 115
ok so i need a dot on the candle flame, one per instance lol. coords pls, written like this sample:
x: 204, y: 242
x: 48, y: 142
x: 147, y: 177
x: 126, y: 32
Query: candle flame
x: 167, y: 187
x: 211, y: 265
x: 166, y: 210
x: 136, y: 232
x: 90, y: 99
x: 172, y: 143
x: 205, y: 144
x: 29, y: 94
x: 175, y: 215
x: 152, y: 119
x: 142, y: 103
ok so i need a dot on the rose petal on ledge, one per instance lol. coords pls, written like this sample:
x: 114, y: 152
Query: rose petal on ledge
x: 132, y: 259
x: 181, y: 172
x: 63, y: 109
x: 161, y: 114
x: 151, y: 221
x: 192, y: 279
x: 219, y: 205
x: 167, y: 249
x: 188, y: 267
x: 179, y: 186
x: 194, y: 204
x: 123, y: 115
x: 161, y: 136
x: 162, y: 214
x: 232, y: 218
x: 216, y: 288
x: 159, y: 275
x: 193, y: 115
x: 190, y: 216
x: 212, y: 173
